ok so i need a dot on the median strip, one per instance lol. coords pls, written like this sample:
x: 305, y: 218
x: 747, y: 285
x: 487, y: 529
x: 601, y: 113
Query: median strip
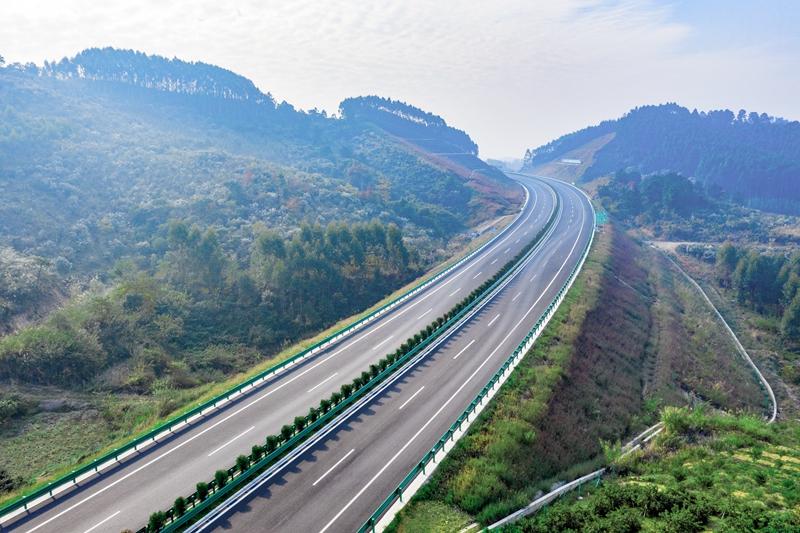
x: 278, y: 446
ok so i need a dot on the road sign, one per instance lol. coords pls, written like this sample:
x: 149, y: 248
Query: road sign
x: 600, y: 217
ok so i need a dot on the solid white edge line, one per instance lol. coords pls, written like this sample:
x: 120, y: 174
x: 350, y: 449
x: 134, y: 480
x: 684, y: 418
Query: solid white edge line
x: 103, y: 522
x: 412, y: 397
x: 322, y: 382
x: 464, y: 349
x: 334, y: 466
x: 232, y: 440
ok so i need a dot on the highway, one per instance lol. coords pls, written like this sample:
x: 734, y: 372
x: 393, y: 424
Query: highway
x: 336, y: 484
x: 125, y: 496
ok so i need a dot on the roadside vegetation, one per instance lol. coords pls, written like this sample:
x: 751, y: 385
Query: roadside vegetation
x: 708, y: 471
x: 631, y: 338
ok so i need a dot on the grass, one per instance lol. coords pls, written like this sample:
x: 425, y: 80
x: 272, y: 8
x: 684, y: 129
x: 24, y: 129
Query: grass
x: 434, y: 517
x: 690, y: 355
x: 706, y: 472
x: 45, y: 445
x: 758, y: 333
x: 603, y: 369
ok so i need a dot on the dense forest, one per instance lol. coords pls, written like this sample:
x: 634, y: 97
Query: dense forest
x: 753, y: 158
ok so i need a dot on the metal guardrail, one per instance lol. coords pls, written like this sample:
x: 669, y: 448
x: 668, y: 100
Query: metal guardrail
x: 485, y: 393
x: 110, y: 460
x: 197, y: 507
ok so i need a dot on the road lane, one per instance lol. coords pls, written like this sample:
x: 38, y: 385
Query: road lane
x: 156, y: 477
x: 389, y: 441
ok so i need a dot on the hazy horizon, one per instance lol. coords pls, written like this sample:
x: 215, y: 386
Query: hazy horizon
x: 513, y: 75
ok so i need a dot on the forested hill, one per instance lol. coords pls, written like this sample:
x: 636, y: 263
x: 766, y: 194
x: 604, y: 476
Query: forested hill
x: 120, y: 140
x: 754, y: 158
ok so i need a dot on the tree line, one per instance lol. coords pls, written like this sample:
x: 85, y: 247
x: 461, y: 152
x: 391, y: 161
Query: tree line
x: 767, y: 283
x: 199, y: 312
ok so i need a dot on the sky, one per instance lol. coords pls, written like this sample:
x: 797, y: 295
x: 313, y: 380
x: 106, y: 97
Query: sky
x: 513, y: 74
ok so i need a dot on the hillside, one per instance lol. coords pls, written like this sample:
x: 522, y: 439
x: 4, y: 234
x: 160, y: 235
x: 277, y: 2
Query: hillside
x: 754, y: 159
x: 166, y: 226
x: 99, y: 152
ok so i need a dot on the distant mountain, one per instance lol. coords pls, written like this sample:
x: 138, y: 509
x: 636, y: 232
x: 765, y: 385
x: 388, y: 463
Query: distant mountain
x: 754, y: 158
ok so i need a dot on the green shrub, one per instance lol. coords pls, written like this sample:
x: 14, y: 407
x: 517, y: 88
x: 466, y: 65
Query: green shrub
x: 286, y: 432
x: 202, y: 490
x: 312, y: 415
x: 299, y: 423
x: 347, y: 390
x: 220, y: 478
x: 11, y: 406
x: 179, y: 506
x: 242, y: 463
x: 271, y: 443
x: 48, y: 355
x: 257, y: 452
x: 157, y: 521
x: 324, y: 406
x: 679, y: 473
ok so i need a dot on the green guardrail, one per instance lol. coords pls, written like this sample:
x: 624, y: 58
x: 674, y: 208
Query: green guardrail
x: 518, y: 353
x: 180, y: 421
x: 170, y: 521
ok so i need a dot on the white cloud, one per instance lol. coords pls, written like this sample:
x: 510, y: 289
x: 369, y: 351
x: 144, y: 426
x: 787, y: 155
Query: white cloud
x: 514, y: 74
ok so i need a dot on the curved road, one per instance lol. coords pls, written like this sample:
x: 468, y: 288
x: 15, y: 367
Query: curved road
x: 125, y: 496
x: 336, y: 484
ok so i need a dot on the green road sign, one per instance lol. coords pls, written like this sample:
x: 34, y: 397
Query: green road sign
x: 600, y: 217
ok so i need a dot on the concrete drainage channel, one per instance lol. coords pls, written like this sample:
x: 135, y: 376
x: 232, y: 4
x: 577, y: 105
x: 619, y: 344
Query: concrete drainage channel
x: 56, y: 489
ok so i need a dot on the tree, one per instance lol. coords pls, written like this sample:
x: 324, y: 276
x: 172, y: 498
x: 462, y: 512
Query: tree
x: 727, y: 259
x: 790, y: 325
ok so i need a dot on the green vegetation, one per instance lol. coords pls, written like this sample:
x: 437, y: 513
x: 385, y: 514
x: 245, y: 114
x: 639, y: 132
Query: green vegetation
x: 673, y: 207
x: 767, y: 283
x: 750, y: 158
x: 707, y: 472
x: 634, y: 359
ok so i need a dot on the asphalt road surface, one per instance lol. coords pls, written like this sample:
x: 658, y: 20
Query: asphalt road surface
x: 335, y: 485
x: 126, y: 496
